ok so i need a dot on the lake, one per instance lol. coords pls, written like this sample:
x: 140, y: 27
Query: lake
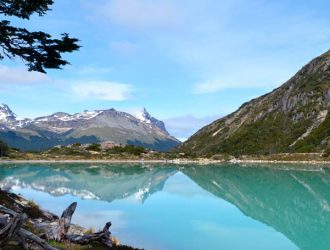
x: 158, y: 206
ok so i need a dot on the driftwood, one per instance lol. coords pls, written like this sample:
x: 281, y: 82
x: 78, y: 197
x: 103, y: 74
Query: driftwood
x: 5, y: 210
x: 57, y: 230
x: 12, y: 228
x: 9, y: 231
x: 103, y: 237
x: 60, y: 233
x: 25, y: 236
x: 3, y: 221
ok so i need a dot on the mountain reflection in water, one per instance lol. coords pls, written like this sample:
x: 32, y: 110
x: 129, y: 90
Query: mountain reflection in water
x: 99, y: 182
x: 293, y: 202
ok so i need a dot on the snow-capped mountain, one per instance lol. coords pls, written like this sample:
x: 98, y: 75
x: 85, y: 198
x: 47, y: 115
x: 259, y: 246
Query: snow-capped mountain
x: 85, y: 127
x: 6, y: 115
x: 145, y: 117
x: 9, y: 120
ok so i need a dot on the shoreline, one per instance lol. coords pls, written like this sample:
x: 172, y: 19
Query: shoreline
x: 175, y: 161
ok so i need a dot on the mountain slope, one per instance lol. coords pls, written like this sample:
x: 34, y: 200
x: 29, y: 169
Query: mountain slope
x: 86, y: 127
x: 291, y: 118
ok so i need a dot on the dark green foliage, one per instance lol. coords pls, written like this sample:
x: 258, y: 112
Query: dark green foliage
x: 42, y: 142
x: 314, y: 140
x: 4, y: 149
x: 271, y: 135
x: 268, y: 136
x: 38, y: 50
x: 164, y: 145
x: 24, y: 8
x: 326, y: 152
x: 129, y: 149
x: 94, y: 147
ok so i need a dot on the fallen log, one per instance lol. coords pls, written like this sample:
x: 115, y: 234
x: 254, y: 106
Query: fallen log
x: 25, y: 236
x: 13, y: 228
x: 5, y: 210
x: 103, y: 237
x: 3, y: 221
x: 56, y: 229
x: 9, y: 231
x: 60, y: 231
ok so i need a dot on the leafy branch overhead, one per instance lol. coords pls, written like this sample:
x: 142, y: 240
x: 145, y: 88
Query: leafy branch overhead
x: 38, y: 50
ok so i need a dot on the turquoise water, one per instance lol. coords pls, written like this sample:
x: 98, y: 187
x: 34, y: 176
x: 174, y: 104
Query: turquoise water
x: 187, y: 207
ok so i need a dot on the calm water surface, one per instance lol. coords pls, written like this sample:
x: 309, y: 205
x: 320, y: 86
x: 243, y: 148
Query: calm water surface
x: 191, y: 207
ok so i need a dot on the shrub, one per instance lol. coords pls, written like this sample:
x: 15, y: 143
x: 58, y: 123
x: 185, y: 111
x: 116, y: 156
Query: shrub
x: 94, y: 147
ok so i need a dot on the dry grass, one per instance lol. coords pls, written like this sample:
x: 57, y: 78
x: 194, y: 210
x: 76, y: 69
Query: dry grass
x: 33, y: 210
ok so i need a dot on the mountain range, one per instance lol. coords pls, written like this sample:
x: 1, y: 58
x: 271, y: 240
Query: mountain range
x: 292, y: 118
x: 86, y: 127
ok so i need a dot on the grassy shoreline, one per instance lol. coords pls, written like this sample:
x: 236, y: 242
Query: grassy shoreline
x: 202, y: 161
x: 95, y: 153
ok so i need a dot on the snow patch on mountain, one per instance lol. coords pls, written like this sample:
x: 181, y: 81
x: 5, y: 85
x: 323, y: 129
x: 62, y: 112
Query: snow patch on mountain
x: 143, y: 116
x: 87, y: 115
x: 6, y: 114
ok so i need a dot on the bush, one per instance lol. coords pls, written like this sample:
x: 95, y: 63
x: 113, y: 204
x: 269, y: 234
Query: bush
x: 129, y: 149
x: 94, y: 147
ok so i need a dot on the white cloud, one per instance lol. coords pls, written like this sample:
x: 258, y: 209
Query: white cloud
x: 18, y: 75
x: 140, y: 14
x: 102, y: 90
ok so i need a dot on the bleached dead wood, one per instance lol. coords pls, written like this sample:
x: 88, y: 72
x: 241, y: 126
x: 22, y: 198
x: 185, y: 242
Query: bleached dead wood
x: 3, y: 221
x: 60, y: 231
x: 56, y: 230
x: 12, y: 228
x: 26, y: 236
x: 103, y: 237
x: 8, y: 231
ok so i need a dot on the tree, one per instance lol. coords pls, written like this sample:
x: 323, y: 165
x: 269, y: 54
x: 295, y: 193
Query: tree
x: 4, y: 149
x: 38, y: 50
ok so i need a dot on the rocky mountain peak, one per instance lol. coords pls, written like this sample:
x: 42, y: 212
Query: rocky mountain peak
x: 6, y: 115
x: 145, y: 117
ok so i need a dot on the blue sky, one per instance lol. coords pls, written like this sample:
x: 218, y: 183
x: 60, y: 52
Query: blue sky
x: 187, y: 62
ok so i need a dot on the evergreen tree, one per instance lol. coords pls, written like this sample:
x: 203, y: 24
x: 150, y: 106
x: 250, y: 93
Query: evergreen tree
x: 37, y: 49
